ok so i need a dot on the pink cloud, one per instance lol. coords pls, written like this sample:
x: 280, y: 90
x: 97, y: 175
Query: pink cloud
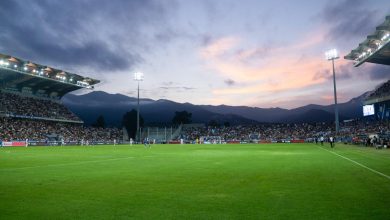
x: 279, y: 75
x: 288, y: 75
x: 327, y: 98
x: 219, y: 47
x: 281, y: 70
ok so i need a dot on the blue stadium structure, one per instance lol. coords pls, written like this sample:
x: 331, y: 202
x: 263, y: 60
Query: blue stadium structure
x: 39, y: 80
x: 375, y: 49
x: 30, y: 90
x: 377, y: 103
x: 31, y: 111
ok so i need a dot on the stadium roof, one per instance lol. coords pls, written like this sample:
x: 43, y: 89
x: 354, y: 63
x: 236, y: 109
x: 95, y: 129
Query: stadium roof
x: 375, y: 49
x: 17, y: 74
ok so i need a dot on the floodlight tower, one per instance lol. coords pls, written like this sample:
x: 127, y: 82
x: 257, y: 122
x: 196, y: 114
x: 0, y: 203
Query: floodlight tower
x: 332, y: 55
x: 138, y: 77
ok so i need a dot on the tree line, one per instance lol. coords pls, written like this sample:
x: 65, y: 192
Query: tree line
x: 129, y: 121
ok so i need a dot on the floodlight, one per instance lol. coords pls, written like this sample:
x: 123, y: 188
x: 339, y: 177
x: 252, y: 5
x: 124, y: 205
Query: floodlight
x: 138, y: 76
x: 15, y: 66
x: 385, y: 36
x: 25, y: 68
x: 331, y: 54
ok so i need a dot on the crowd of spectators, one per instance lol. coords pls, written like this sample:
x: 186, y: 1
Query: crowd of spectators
x: 19, y: 105
x: 286, y: 132
x: 257, y: 132
x: 363, y: 131
x: 383, y: 90
x: 42, y: 120
x: 13, y: 129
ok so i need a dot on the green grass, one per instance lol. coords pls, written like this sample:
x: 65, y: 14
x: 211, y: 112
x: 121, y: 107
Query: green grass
x: 265, y: 181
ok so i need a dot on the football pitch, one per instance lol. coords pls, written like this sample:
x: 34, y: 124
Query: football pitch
x: 248, y: 181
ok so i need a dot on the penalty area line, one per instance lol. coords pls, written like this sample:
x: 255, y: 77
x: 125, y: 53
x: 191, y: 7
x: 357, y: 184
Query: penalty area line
x: 357, y: 163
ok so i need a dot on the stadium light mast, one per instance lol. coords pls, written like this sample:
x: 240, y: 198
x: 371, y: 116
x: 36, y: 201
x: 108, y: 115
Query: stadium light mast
x: 138, y: 77
x: 332, y: 55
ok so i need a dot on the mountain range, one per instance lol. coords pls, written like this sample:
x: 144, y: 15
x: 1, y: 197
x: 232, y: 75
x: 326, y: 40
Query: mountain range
x: 160, y: 112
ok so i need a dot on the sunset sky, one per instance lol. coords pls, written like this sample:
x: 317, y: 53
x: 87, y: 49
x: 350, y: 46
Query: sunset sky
x: 247, y: 52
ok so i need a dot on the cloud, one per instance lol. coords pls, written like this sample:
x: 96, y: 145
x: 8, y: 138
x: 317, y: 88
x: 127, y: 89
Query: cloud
x: 177, y: 88
x: 343, y: 71
x: 220, y: 47
x: 167, y: 83
x: 322, y: 74
x: 281, y: 70
x: 206, y: 40
x: 290, y: 75
x: 229, y: 82
x: 379, y: 72
x: 349, y: 19
x: 98, y: 35
x: 174, y: 85
x: 249, y: 55
x: 376, y: 72
x: 233, y: 63
x: 168, y: 86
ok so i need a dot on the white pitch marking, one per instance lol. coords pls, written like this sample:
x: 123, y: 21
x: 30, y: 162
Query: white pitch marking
x: 65, y: 164
x: 364, y: 166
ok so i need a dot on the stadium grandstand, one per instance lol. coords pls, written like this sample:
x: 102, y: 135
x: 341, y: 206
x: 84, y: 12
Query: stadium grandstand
x: 377, y: 103
x: 356, y: 131
x: 31, y: 110
x: 375, y: 49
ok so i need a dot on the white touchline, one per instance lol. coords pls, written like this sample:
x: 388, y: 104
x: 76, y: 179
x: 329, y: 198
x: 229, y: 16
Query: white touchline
x: 65, y: 164
x: 372, y: 170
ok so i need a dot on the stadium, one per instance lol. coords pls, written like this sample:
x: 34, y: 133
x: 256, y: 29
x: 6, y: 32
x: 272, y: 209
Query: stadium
x: 53, y: 165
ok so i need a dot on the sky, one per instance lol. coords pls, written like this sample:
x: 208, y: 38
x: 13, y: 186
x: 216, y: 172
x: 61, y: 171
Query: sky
x: 250, y: 52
